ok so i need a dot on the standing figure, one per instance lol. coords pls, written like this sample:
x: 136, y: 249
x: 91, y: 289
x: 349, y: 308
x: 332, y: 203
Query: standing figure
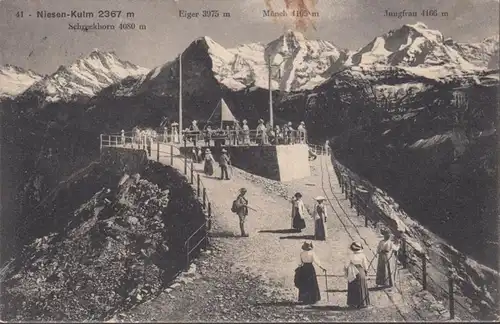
x: 208, y: 168
x: 246, y: 133
x: 242, y: 210
x: 356, y: 270
x: 327, y: 147
x: 319, y: 216
x: 385, y: 250
x: 208, y: 135
x: 175, y: 133
x: 238, y: 136
x: 260, y: 133
x: 301, y: 132
x: 291, y: 133
x: 195, y: 131
x: 308, y: 283
x: 224, y: 163
x: 298, y: 213
x: 123, y: 137
x: 165, y: 134
x: 278, y: 135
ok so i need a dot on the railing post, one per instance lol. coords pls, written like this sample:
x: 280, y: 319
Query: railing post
x: 345, y: 191
x: 403, y: 252
x: 192, y: 175
x: 100, y: 143
x: 450, y: 294
x: 187, y: 254
x: 171, y: 155
x: 158, y: 151
x: 350, y: 192
x: 198, y: 185
x: 204, y: 198
x: 424, y: 272
x: 366, y: 218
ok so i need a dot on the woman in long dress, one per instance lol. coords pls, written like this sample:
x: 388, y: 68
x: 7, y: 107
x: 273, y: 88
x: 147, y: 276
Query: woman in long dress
x: 385, y: 250
x: 308, y: 286
x: 208, y: 168
x: 298, y: 213
x: 356, y: 271
x: 319, y: 216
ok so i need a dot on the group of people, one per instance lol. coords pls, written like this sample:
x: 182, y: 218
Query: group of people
x: 209, y: 162
x: 356, y: 266
x: 355, y: 271
x: 240, y: 134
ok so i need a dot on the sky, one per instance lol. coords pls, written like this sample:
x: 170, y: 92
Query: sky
x: 44, y: 44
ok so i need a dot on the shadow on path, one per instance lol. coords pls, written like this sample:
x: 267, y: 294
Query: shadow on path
x: 223, y: 234
x: 280, y: 231
x: 297, y: 237
x: 285, y: 303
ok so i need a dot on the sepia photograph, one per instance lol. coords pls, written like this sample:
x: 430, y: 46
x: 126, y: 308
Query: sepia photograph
x: 249, y: 161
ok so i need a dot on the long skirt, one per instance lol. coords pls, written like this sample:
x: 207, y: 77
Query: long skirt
x: 308, y: 287
x: 383, y: 270
x: 208, y: 168
x: 298, y: 223
x: 357, y: 290
x: 319, y: 230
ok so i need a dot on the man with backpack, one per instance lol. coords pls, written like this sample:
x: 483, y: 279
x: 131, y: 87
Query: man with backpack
x: 240, y: 207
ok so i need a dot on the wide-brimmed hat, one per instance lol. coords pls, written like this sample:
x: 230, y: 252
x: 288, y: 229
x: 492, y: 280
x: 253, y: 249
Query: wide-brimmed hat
x: 195, y: 122
x: 298, y: 195
x: 319, y: 198
x: 207, y: 151
x: 302, y: 123
x: 224, y: 151
x: 307, y: 246
x: 244, y: 121
x: 242, y: 190
x: 356, y: 246
x: 261, y: 121
x: 289, y: 123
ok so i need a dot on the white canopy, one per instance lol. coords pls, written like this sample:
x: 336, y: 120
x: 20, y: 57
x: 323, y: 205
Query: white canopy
x: 222, y: 113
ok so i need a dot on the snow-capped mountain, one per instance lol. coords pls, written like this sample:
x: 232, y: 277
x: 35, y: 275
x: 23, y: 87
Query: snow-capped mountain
x: 423, y: 52
x: 411, y: 45
x: 480, y: 54
x: 14, y: 80
x: 84, y: 78
x: 295, y: 61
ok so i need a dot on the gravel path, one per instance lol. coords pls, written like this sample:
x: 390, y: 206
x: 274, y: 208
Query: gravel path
x: 251, y: 279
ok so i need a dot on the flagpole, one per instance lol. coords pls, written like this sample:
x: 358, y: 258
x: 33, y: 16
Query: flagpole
x: 180, y: 94
x: 270, y: 94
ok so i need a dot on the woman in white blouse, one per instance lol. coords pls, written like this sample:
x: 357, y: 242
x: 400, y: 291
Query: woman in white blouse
x: 356, y: 270
x: 308, y: 283
x: 386, y: 249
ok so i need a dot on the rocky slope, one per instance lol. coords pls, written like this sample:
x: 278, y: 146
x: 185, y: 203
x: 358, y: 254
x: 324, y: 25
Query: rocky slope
x: 118, y: 248
x: 15, y: 80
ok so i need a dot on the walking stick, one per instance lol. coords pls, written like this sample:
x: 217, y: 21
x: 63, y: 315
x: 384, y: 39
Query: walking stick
x: 372, y: 261
x: 326, y: 284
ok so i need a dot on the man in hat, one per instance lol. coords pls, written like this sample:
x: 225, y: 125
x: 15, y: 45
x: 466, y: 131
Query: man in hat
x: 224, y: 162
x: 242, y: 210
